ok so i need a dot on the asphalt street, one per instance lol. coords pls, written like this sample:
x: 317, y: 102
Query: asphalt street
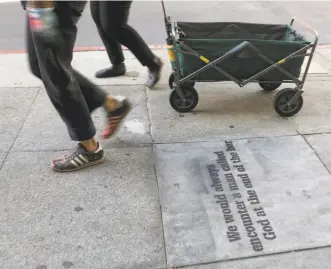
x: 147, y: 18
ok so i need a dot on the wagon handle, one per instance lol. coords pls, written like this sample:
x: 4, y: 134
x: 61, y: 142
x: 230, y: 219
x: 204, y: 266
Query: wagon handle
x: 166, y: 20
x: 311, y: 54
x: 307, y: 27
x: 164, y: 12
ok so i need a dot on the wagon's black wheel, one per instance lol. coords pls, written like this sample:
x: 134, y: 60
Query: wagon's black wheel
x: 269, y: 86
x: 172, y: 81
x: 281, y: 105
x: 191, y: 99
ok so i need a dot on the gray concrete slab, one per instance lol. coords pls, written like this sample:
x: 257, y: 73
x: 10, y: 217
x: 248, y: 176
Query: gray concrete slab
x: 2, y: 158
x: 14, y: 106
x: 89, y: 62
x: 136, y: 73
x: 310, y: 259
x: 227, y: 111
x: 44, y: 129
x: 232, y: 199
x: 19, y: 93
x: 224, y: 110
x: 315, y: 114
x: 16, y: 68
x: 321, y: 63
x: 7, y: 139
x: 106, y: 217
x: 314, y: 68
x: 321, y: 143
x: 326, y: 55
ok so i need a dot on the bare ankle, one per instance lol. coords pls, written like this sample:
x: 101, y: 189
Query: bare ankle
x: 111, y: 104
x: 91, y: 145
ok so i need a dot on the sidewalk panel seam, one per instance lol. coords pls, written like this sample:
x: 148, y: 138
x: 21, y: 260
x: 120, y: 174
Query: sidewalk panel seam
x: 21, y: 127
x: 317, y: 155
x: 253, y: 257
x: 160, y: 207
x: 156, y: 177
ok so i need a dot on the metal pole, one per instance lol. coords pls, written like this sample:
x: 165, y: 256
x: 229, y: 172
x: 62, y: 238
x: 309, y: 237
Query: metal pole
x: 164, y: 12
x: 166, y: 20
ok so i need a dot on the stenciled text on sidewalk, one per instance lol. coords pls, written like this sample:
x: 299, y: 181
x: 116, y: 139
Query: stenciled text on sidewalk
x: 229, y: 173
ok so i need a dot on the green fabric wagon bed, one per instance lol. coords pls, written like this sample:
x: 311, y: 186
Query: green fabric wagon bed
x: 214, y: 39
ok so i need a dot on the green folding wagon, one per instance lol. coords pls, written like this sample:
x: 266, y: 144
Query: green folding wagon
x: 268, y: 54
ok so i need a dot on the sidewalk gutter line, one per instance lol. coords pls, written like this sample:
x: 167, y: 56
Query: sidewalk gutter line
x: 102, y: 48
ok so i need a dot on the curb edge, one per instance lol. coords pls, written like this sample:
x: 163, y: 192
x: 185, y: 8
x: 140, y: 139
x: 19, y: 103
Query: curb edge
x: 102, y: 48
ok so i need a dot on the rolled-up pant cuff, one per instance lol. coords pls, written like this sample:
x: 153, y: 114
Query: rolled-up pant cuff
x: 82, y: 134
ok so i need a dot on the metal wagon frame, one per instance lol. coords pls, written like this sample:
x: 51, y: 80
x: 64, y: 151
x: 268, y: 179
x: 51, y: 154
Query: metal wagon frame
x: 184, y: 97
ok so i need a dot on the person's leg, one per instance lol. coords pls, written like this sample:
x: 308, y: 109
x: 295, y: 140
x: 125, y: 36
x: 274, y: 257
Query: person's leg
x: 116, y: 109
x: 93, y: 95
x: 65, y: 94
x: 114, y: 21
x: 112, y: 46
x: 31, y: 52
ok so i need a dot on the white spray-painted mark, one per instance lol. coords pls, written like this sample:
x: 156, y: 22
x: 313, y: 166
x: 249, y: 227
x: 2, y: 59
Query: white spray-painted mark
x: 135, y: 126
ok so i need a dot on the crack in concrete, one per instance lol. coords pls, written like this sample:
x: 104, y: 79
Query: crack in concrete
x: 150, y: 128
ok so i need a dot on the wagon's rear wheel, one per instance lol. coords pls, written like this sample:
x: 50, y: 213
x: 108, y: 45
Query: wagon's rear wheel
x: 172, y: 81
x: 191, y: 99
x: 281, y: 103
x: 269, y: 86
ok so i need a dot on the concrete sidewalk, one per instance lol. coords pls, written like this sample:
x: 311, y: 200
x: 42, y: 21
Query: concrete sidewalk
x: 230, y: 185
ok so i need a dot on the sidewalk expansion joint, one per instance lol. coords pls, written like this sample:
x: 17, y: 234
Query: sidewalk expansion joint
x: 146, y: 145
x: 21, y: 127
x: 241, y: 138
x: 155, y: 173
x: 253, y: 257
x: 317, y: 155
x: 160, y: 207
x: 226, y: 138
x: 142, y: 145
